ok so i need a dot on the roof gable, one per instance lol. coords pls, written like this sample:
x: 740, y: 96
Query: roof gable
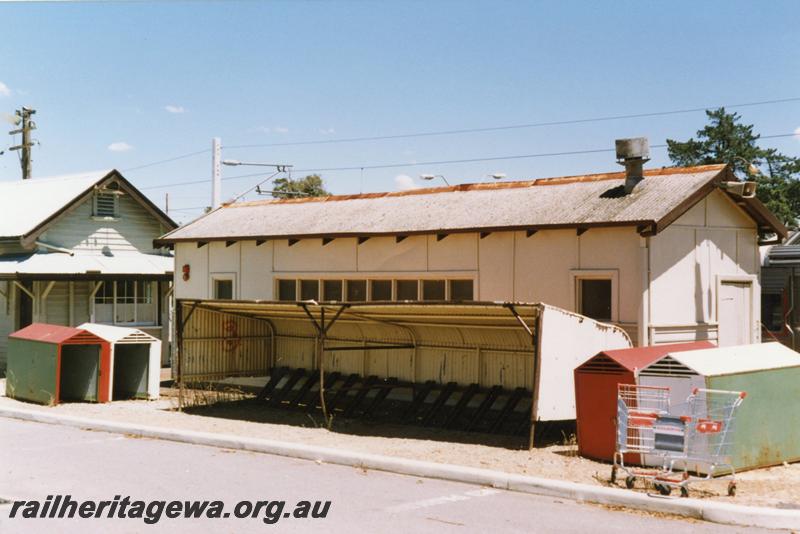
x: 55, y: 334
x: 30, y: 205
x: 640, y: 357
x: 118, y: 334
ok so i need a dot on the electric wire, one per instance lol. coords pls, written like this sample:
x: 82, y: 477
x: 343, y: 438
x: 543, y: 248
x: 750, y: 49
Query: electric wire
x: 470, y: 130
x: 512, y: 126
x: 437, y: 162
x: 168, y: 160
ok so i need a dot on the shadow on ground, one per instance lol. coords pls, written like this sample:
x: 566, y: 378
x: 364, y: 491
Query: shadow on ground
x: 384, y: 424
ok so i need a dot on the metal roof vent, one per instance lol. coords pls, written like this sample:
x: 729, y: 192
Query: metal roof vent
x: 633, y: 154
x: 740, y: 189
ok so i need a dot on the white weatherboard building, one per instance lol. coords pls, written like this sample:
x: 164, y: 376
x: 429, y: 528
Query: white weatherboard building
x: 670, y: 256
x: 80, y: 248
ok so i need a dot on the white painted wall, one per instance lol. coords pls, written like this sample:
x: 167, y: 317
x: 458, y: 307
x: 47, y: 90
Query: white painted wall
x: 134, y: 230
x: 255, y: 275
x: 196, y: 258
x: 713, y: 239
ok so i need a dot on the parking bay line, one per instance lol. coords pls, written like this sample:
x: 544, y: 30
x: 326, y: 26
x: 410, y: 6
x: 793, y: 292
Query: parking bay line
x: 445, y: 499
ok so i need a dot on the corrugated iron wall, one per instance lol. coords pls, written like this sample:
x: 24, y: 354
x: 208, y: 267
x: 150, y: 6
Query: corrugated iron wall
x: 487, y: 356
x: 218, y: 345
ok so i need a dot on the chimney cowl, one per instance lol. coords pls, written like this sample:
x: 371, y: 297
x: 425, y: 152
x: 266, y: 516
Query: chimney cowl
x: 633, y: 153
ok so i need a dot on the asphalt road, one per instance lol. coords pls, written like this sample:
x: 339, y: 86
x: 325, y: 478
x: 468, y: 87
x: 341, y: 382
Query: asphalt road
x: 37, y: 460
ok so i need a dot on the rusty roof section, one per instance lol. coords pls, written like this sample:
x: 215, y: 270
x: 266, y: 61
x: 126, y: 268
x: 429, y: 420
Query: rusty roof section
x: 558, y: 180
x: 567, y: 202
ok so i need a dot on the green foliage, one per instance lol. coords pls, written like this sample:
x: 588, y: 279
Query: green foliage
x: 726, y: 140
x: 310, y: 186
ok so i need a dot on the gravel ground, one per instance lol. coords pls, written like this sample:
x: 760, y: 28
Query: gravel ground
x: 776, y: 487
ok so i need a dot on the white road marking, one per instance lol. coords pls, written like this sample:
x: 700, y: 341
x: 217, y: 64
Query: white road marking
x: 444, y: 499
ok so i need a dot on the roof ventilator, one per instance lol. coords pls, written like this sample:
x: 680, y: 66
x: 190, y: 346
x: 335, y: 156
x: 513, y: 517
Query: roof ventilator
x: 740, y: 189
x: 633, y: 154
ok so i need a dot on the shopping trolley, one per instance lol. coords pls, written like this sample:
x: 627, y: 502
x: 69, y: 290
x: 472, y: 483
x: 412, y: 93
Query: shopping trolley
x: 699, y: 442
x: 638, y: 410
x: 710, y: 430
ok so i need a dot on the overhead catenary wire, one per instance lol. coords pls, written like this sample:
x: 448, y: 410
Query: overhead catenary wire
x: 492, y: 158
x: 195, y: 182
x: 471, y: 130
x: 438, y: 162
x: 513, y: 126
x: 168, y: 160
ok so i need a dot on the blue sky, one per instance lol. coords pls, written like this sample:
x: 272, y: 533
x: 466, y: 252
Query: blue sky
x: 158, y: 80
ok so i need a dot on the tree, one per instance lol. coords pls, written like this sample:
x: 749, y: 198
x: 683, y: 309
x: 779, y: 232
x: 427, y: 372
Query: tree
x: 726, y: 140
x: 310, y: 186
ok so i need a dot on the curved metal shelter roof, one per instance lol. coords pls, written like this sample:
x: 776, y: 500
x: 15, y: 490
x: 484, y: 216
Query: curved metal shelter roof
x: 487, y: 323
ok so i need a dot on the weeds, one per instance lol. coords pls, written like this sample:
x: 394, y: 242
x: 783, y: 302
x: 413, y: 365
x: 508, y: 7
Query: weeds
x: 570, y: 441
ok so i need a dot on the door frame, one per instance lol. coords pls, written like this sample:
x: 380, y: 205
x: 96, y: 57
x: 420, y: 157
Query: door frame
x: 755, y: 309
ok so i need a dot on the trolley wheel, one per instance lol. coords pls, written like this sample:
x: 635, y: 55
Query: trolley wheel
x: 684, y: 491
x: 663, y: 489
x: 629, y: 481
x: 731, y: 489
x: 613, y: 474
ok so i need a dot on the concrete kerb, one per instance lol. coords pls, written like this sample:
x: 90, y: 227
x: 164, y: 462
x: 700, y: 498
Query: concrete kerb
x: 717, y: 512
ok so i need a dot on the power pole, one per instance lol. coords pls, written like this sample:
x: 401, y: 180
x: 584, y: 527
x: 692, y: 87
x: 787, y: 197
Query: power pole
x: 24, y: 115
x: 216, y: 172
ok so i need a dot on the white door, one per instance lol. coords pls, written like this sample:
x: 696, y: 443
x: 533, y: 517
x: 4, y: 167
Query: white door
x: 734, y: 314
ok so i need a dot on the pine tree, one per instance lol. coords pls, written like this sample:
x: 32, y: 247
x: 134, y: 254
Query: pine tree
x: 726, y: 140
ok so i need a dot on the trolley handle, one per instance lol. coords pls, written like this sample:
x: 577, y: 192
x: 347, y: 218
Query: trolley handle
x: 742, y: 394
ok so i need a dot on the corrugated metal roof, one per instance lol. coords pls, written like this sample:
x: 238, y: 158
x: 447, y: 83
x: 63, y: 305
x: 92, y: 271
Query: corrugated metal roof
x: 786, y: 254
x: 48, y: 333
x: 559, y: 202
x: 738, y: 359
x: 28, y: 203
x: 641, y: 357
x: 115, y: 334
x: 58, y: 263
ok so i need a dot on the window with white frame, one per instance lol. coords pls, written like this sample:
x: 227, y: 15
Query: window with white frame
x: 223, y: 286
x: 374, y: 290
x: 126, y: 302
x: 595, y: 294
